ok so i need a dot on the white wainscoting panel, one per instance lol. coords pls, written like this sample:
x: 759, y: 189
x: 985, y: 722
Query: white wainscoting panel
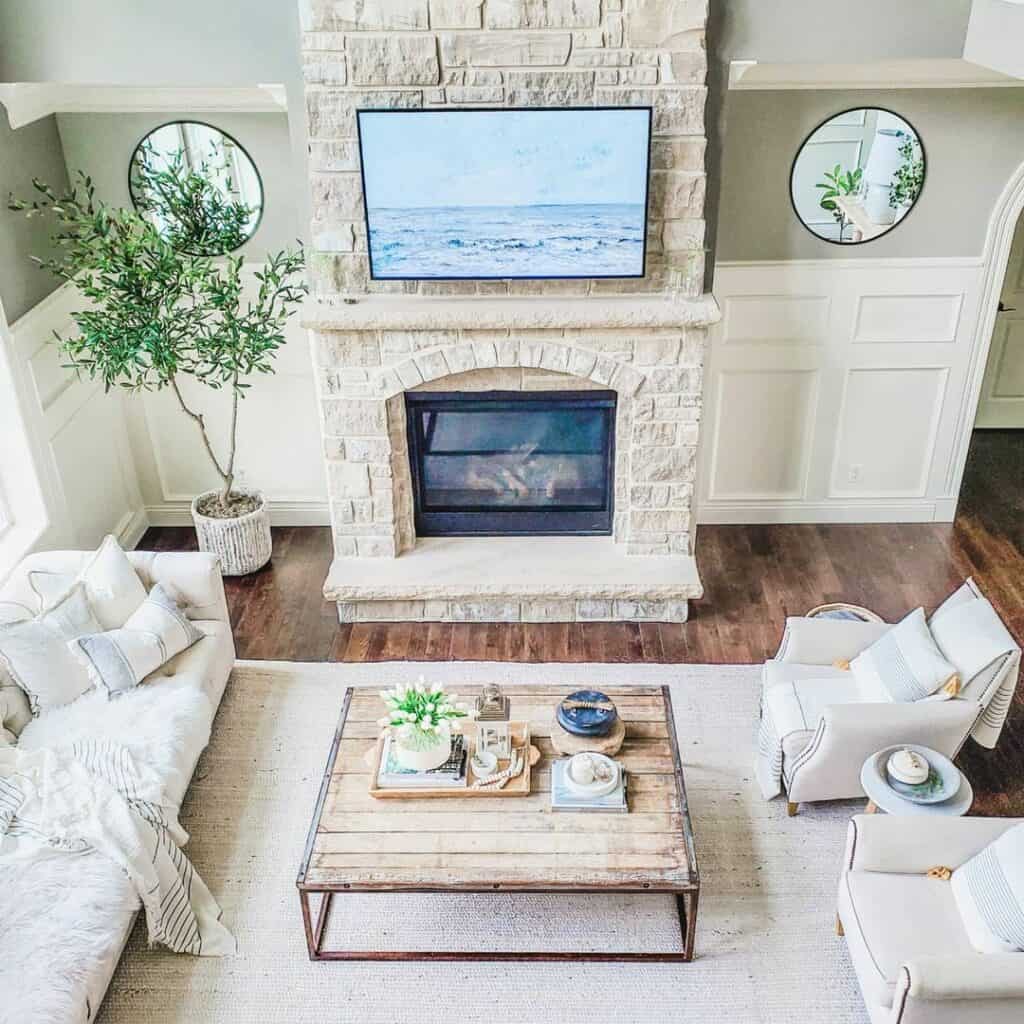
x: 792, y: 319
x: 772, y: 461
x: 832, y: 390
x: 895, y: 410
x: 907, y: 318
x: 78, y: 436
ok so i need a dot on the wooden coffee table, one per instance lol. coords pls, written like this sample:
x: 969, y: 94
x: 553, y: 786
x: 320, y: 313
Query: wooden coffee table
x: 516, y: 844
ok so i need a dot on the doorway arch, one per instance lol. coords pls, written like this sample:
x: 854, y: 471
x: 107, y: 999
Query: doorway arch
x: 998, y: 239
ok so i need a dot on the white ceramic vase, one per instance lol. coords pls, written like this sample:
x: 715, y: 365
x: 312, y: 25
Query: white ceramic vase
x: 420, y: 751
x: 242, y: 544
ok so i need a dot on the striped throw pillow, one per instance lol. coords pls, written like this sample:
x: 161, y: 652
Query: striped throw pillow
x: 905, y: 664
x: 156, y: 631
x: 989, y: 893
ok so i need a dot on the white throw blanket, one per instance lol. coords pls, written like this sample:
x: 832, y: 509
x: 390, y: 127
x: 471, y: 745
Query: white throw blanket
x: 94, y: 795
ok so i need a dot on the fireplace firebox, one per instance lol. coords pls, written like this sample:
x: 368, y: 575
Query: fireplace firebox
x: 511, y: 462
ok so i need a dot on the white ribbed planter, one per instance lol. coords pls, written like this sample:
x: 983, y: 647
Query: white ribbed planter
x: 243, y: 544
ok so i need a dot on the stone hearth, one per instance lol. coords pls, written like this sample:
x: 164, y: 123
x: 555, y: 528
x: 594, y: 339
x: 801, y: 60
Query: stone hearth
x: 375, y: 340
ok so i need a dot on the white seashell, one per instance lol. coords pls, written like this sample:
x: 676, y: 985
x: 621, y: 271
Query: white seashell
x: 581, y: 769
x: 908, y: 766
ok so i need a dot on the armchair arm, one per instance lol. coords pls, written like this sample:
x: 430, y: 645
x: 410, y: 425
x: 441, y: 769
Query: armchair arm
x: 823, y: 641
x: 982, y: 976
x: 848, y: 734
x: 910, y: 846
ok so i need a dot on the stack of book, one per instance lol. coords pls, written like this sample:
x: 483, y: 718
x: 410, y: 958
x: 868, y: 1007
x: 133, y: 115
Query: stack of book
x: 565, y: 797
x: 451, y: 775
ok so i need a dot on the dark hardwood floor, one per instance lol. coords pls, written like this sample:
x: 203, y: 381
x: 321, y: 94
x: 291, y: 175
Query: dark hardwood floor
x: 754, y: 576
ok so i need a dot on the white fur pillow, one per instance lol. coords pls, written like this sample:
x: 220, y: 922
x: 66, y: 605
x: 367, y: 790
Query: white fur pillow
x: 121, y: 658
x: 35, y: 653
x: 112, y: 584
x: 989, y: 893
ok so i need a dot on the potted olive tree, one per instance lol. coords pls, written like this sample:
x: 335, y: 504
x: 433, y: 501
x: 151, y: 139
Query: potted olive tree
x: 164, y: 307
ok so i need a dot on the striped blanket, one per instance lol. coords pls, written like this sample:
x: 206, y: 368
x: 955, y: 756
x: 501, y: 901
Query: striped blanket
x: 94, y: 795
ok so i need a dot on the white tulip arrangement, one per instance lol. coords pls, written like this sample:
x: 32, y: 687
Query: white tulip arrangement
x: 418, y: 714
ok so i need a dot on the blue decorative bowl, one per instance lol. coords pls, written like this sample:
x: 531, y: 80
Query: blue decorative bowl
x: 586, y: 721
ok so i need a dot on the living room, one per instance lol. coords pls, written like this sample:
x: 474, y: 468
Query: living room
x: 424, y: 418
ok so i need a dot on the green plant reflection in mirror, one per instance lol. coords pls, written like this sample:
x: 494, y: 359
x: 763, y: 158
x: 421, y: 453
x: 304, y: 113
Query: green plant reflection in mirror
x: 170, y: 178
x: 857, y: 175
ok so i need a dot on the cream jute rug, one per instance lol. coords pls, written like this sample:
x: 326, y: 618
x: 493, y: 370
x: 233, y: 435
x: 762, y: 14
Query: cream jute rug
x: 766, y: 948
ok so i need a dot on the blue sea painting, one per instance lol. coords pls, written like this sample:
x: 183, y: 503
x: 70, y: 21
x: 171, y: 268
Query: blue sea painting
x: 505, y: 193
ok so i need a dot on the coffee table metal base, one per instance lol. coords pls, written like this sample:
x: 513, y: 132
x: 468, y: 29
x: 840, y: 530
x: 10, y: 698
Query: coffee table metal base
x: 686, y: 905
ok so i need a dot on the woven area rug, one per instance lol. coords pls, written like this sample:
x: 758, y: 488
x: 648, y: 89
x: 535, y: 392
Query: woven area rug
x: 766, y: 947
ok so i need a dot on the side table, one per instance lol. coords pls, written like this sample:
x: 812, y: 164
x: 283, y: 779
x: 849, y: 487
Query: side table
x: 881, y: 796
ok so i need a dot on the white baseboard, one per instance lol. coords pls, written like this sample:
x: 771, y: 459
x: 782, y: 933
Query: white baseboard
x: 924, y: 510
x: 130, y: 533
x: 282, y: 513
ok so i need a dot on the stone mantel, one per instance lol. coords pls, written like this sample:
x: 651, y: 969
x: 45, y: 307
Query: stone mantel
x: 415, y: 313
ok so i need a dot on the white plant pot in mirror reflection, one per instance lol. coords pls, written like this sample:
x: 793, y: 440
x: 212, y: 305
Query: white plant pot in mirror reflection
x: 883, y: 162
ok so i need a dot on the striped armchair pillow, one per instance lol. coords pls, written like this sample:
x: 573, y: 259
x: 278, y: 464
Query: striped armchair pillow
x: 905, y: 664
x: 989, y: 893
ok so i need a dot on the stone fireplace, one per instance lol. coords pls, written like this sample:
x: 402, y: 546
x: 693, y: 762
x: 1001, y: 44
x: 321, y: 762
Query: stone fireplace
x: 588, y: 483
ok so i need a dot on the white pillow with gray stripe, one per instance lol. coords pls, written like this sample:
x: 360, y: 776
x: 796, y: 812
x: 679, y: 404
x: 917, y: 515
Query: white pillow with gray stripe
x: 989, y: 893
x: 155, y: 632
x: 905, y: 664
x: 34, y: 652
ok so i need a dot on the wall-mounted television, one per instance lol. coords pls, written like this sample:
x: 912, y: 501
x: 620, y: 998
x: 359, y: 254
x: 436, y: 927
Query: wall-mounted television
x: 505, y: 193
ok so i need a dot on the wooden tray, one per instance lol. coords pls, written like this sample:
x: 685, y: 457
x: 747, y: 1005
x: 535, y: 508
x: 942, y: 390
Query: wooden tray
x: 519, y: 786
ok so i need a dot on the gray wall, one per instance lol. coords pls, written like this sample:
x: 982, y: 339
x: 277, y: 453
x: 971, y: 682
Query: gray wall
x: 805, y: 31
x: 973, y: 140
x: 153, y: 42
x: 102, y: 146
x: 33, y: 151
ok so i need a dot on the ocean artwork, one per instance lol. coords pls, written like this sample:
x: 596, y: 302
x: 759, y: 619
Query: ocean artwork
x: 505, y: 193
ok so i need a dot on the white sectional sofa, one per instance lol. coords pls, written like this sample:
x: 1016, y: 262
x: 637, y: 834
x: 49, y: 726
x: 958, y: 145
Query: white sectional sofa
x: 65, y: 918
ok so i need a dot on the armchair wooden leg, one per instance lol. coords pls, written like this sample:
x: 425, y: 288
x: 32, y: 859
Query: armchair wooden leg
x: 839, y: 926
x: 792, y: 808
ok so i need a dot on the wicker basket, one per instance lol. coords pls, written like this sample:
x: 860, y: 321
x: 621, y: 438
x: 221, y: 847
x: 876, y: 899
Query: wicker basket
x: 864, y: 614
x: 243, y: 545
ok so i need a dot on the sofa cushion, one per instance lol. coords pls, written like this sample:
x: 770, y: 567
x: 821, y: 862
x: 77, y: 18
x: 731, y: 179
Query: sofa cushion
x: 155, y: 632
x: 35, y: 653
x: 905, y: 664
x: 166, y: 719
x: 891, y: 918
x: 113, y: 585
x: 989, y: 894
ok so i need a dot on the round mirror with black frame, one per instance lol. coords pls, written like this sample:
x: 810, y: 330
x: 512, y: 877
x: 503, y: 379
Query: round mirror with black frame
x: 857, y: 175
x: 198, y: 186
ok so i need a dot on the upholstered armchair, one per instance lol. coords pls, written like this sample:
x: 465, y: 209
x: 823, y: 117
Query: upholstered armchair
x: 907, y: 940
x: 819, y: 724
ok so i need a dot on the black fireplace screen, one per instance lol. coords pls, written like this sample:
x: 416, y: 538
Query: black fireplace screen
x: 509, y: 462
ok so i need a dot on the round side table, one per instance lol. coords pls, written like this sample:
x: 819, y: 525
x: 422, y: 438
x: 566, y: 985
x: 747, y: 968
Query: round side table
x: 882, y: 797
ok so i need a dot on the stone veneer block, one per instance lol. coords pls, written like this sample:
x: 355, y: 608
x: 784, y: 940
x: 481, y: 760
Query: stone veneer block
x: 368, y: 15
x: 489, y: 50
x: 542, y: 13
x: 393, y: 59
x: 456, y: 13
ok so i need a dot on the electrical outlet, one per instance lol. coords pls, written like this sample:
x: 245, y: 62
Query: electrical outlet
x: 853, y: 476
